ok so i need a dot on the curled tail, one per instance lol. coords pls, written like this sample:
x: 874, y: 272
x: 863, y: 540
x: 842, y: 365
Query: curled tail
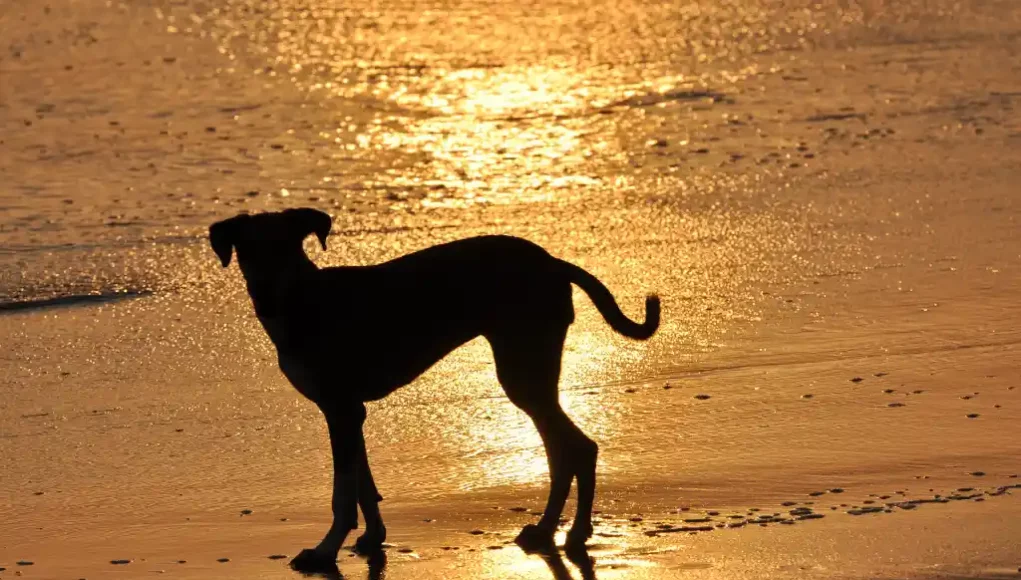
x: 608, y: 307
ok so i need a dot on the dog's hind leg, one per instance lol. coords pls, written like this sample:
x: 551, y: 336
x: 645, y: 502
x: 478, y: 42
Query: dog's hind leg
x: 584, y: 453
x: 528, y: 366
x: 345, y: 426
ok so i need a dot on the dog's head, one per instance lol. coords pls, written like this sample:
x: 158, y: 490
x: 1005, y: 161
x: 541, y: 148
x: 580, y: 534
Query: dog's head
x: 267, y: 234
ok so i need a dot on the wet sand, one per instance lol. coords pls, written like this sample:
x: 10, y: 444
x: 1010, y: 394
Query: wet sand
x: 831, y: 221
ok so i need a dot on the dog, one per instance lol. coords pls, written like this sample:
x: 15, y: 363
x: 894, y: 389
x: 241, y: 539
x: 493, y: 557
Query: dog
x: 348, y: 335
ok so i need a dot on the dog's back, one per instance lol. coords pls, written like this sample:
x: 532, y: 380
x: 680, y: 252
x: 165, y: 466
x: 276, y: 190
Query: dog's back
x: 386, y: 324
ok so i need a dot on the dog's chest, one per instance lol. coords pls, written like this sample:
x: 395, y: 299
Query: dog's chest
x: 297, y: 355
x: 305, y: 379
x: 286, y: 333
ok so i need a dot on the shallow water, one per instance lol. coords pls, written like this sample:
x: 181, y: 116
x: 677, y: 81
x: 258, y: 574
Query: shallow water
x: 818, y: 195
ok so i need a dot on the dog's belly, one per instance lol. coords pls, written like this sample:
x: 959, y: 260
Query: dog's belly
x: 366, y: 370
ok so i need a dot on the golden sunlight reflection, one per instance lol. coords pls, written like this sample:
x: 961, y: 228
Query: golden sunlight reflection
x: 490, y: 136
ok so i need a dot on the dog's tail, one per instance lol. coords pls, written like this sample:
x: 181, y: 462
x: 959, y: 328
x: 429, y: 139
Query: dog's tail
x: 608, y: 307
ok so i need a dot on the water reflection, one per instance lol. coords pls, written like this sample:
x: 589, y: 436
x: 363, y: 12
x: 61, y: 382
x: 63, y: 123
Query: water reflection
x: 496, y: 135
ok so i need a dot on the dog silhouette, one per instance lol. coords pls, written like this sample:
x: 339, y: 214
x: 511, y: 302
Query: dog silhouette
x: 352, y: 334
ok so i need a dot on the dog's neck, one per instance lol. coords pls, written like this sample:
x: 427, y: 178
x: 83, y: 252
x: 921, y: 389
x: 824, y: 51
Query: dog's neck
x: 275, y: 286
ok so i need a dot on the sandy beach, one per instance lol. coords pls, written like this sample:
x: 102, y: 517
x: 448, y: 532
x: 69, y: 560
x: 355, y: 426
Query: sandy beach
x: 825, y: 197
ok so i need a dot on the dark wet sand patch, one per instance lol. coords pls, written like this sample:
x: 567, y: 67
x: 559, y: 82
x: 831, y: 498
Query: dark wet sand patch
x: 70, y: 301
x: 713, y: 520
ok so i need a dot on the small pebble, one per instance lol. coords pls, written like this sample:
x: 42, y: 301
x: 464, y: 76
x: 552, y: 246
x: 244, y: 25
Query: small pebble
x: 806, y: 396
x: 701, y: 397
x: 518, y: 509
x: 895, y: 405
x: 25, y: 563
x: 476, y: 532
x: 223, y: 560
x: 277, y: 557
x: 120, y: 562
x: 972, y: 415
x: 857, y: 380
x: 978, y: 473
x: 887, y: 391
x: 630, y: 390
x: 406, y: 550
x: 246, y: 512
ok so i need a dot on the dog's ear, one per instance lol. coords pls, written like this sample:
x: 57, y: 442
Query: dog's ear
x: 312, y: 221
x: 222, y: 235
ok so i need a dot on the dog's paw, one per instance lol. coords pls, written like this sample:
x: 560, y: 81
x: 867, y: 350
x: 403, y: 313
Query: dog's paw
x: 371, y: 541
x: 535, y: 539
x: 576, y: 538
x: 310, y: 561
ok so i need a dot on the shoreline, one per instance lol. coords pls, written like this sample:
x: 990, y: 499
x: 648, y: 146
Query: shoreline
x: 757, y: 545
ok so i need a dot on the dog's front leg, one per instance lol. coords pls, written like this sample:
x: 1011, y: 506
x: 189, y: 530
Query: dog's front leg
x: 345, y: 426
x: 368, y: 499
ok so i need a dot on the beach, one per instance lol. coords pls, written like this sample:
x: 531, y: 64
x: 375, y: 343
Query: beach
x: 825, y: 198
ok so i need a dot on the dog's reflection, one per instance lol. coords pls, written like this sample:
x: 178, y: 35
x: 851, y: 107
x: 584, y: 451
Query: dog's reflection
x: 578, y: 556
